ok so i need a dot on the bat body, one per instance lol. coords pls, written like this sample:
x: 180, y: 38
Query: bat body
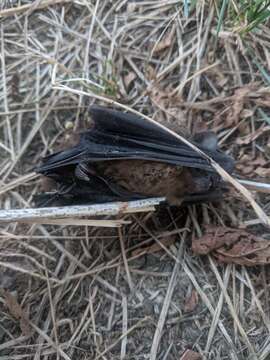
x: 124, y: 157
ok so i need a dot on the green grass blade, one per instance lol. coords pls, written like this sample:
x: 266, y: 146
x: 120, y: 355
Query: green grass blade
x: 265, y: 117
x: 221, y: 15
x: 260, y: 19
x: 262, y: 70
x: 186, y: 8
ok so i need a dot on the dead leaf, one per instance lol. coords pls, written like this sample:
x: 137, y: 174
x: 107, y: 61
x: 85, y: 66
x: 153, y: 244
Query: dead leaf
x: 16, y: 311
x: 25, y: 326
x: 263, y: 172
x: 233, y: 246
x: 129, y: 78
x: 246, y: 113
x: 214, y: 239
x: 165, y: 42
x: 191, y: 355
x: 191, y: 301
x: 168, y: 241
x: 159, y: 97
x: 12, y: 304
x: 237, y: 106
x: 151, y: 73
x: 244, y: 128
x: 253, y: 136
x: 249, y: 166
x: 238, y: 103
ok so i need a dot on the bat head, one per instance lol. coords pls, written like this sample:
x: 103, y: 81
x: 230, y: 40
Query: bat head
x: 207, y: 141
x: 200, y: 181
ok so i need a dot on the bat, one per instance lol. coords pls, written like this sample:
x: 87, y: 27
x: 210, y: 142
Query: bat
x: 124, y: 157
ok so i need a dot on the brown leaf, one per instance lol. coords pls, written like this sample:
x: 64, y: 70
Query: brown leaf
x: 16, y: 311
x: 249, y: 166
x: 246, y: 113
x: 263, y: 172
x: 151, y: 73
x: 259, y: 161
x: 263, y: 102
x: 234, y: 246
x: 129, y: 78
x: 213, y: 239
x: 191, y: 301
x: 159, y: 97
x: 166, y: 41
x: 25, y: 326
x: 244, y: 128
x: 168, y: 241
x: 12, y: 304
x: 236, y: 107
x: 191, y: 355
x: 238, y: 103
x: 253, y: 136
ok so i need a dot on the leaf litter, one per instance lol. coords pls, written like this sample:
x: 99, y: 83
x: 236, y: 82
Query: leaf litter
x: 16, y: 311
x: 191, y: 301
x: 249, y: 165
x: 92, y: 309
x: 191, y: 355
x: 233, y: 246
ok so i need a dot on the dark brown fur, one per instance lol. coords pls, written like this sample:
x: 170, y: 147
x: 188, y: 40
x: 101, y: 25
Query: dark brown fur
x: 150, y: 178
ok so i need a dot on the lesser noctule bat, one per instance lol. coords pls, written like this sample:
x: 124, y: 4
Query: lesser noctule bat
x: 124, y: 157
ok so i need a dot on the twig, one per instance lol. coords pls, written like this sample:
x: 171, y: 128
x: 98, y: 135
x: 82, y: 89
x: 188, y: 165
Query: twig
x: 130, y: 284
x: 232, y: 309
x: 256, y: 186
x: 138, y: 324
x: 21, y: 180
x: 79, y: 222
x: 23, y: 8
x: 27, y: 215
x: 166, y: 305
x: 124, y: 328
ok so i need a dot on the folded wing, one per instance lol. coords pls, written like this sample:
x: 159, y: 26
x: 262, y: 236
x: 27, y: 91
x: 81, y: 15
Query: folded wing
x: 118, y: 135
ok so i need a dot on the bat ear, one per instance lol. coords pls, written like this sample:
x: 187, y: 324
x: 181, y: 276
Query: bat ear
x: 206, y: 139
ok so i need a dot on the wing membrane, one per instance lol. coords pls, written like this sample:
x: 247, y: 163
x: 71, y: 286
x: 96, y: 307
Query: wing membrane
x: 118, y: 135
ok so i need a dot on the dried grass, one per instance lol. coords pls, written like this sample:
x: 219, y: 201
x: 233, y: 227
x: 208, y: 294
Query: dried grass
x: 88, y: 292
